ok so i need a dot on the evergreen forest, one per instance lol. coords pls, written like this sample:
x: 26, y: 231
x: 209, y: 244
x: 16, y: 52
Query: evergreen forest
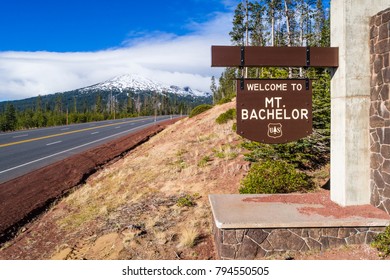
x: 85, y: 106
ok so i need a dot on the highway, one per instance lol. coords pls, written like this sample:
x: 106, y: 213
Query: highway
x: 24, y: 151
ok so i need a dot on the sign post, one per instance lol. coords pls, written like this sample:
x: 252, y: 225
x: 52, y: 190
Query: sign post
x: 274, y: 111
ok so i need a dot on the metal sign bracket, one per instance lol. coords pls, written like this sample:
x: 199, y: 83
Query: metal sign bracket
x: 242, y: 60
x: 307, y: 56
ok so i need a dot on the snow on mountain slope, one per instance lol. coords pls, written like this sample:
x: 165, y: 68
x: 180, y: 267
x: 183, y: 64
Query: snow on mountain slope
x: 139, y: 83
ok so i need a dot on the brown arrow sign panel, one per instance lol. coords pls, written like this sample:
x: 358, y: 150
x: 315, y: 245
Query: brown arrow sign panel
x: 274, y: 111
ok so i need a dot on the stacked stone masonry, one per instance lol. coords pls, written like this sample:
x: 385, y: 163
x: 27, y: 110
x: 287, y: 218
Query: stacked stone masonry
x: 259, y: 243
x: 380, y: 110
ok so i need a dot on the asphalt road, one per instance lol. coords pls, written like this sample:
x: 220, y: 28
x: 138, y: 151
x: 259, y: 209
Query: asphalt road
x: 24, y: 151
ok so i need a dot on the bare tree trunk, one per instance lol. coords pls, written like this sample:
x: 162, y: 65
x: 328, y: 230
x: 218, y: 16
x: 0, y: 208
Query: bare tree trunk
x: 272, y: 14
x: 246, y: 32
x: 301, y: 36
x: 273, y: 30
x: 287, y: 14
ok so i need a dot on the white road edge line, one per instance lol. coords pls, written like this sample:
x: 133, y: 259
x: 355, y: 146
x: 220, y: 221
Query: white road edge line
x: 18, y: 136
x: 71, y: 149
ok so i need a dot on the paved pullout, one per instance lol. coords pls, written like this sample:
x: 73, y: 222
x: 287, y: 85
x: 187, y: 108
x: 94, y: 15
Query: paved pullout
x: 24, y: 198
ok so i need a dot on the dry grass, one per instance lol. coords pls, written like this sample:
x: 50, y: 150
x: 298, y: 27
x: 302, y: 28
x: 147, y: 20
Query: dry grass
x: 188, y: 237
x: 321, y: 176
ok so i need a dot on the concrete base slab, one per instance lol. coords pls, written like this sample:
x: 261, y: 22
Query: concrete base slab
x: 257, y: 226
x: 291, y: 211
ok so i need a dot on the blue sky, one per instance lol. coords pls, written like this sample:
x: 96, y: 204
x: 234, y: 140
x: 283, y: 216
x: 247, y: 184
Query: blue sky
x: 92, y: 25
x: 56, y: 45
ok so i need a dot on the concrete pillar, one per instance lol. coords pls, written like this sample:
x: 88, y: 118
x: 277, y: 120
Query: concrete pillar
x: 350, y: 100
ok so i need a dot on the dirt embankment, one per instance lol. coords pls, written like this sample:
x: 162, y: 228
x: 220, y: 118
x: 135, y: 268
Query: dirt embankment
x: 25, y: 197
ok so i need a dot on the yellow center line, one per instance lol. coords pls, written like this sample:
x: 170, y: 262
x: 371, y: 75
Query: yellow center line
x: 65, y: 133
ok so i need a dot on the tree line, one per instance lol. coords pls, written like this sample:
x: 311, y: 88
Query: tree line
x: 71, y: 107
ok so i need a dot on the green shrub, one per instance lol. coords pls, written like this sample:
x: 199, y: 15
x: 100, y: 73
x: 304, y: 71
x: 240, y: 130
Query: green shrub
x: 382, y: 242
x: 225, y: 117
x: 308, y: 153
x: 274, y: 176
x: 200, y: 109
x: 188, y: 200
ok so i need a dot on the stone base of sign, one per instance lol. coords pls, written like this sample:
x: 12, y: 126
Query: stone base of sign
x: 260, y: 243
x: 258, y: 226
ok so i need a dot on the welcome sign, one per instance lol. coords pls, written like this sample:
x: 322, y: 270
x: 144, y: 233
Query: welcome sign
x: 274, y: 111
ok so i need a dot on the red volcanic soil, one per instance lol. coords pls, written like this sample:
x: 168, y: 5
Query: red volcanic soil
x: 23, y: 198
x: 329, y: 208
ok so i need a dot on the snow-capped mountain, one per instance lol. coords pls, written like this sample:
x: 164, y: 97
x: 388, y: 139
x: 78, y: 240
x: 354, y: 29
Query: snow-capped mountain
x: 123, y: 88
x: 137, y: 83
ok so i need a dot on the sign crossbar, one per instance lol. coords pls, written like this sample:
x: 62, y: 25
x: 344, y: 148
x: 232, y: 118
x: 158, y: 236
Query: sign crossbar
x: 254, y: 56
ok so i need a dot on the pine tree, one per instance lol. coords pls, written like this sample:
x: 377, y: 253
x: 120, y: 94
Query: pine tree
x: 58, y: 104
x: 227, y: 88
x: 237, y: 34
x: 138, y: 105
x: 99, y: 104
x: 10, y: 120
x: 325, y: 33
x: 38, y: 104
x: 258, y: 33
x: 319, y: 22
x: 214, y: 89
x: 129, y: 104
x: 74, y: 104
x: 39, y: 119
x: 273, y: 12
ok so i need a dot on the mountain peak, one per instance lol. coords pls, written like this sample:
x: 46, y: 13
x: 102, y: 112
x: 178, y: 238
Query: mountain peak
x: 136, y: 82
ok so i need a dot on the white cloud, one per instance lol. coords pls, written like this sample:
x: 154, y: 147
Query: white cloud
x: 181, y: 60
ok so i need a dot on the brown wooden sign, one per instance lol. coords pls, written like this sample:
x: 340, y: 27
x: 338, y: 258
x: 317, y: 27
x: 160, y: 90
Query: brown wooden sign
x: 235, y: 56
x: 274, y: 111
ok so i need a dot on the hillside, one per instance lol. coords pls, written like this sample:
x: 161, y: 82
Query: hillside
x: 133, y: 203
x: 152, y: 204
